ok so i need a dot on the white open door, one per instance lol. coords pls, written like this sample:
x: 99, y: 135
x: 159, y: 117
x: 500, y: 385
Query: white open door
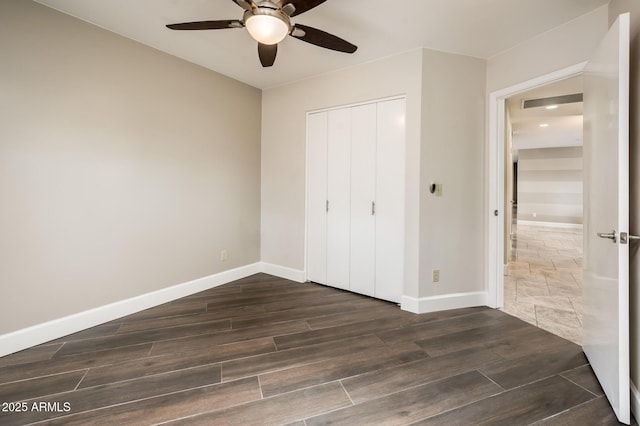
x: 606, y: 216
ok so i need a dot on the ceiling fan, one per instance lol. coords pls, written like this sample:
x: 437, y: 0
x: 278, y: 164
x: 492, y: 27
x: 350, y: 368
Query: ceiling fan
x: 268, y: 23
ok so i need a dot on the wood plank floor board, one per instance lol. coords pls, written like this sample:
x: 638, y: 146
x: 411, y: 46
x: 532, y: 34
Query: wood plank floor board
x: 284, y: 288
x: 281, y: 359
x: 35, y: 354
x: 169, y: 407
x: 394, y: 379
x: 199, y: 318
x: 302, y: 352
x: 40, y: 386
x: 413, y: 404
x: 325, y: 335
x: 430, y: 329
x: 361, y: 313
x: 517, y: 372
x: 276, y: 410
x: 89, y: 399
x: 453, y: 342
x: 167, y: 310
x: 72, y: 363
x: 528, y: 343
x: 520, y: 406
x: 146, y: 336
x: 268, y: 296
x: 205, y: 341
x: 98, y: 331
x: 306, y: 312
x: 583, y: 376
x: 338, y: 296
x: 443, y: 315
x: 285, y: 305
x: 173, y: 362
x: 338, y: 368
x: 594, y: 412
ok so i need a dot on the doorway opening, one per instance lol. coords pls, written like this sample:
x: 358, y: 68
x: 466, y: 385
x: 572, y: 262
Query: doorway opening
x: 543, y: 189
x: 535, y: 253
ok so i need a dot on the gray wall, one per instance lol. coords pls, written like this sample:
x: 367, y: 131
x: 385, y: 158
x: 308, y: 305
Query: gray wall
x: 550, y: 185
x: 123, y: 170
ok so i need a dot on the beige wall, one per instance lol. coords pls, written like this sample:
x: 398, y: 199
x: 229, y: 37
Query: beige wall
x: 616, y: 7
x: 123, y: 170
x: 453, y: 123
x: 568, y: 44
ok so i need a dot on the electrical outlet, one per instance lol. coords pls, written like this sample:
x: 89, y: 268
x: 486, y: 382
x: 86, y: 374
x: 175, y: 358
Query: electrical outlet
x: 223, y: 255
x: 435, y: 275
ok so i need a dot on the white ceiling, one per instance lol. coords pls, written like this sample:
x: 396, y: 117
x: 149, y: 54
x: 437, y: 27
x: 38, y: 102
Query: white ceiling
x: 564, y: 124
x: 380, y: 28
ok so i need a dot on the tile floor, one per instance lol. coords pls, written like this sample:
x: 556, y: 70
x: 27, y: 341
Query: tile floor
x: 543, y: 281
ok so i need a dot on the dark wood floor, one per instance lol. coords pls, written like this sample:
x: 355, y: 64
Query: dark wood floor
x: 264, y: 350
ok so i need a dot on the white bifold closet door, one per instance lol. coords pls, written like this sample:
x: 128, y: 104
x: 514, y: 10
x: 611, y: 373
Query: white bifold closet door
x: 355, y: 198
x: 363, y: 196
x: 338, y: 196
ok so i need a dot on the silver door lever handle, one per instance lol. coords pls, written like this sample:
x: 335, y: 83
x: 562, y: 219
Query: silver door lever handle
x: 611, y: 235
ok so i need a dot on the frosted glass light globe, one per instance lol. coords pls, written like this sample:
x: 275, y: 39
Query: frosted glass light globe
x: 266, y: 29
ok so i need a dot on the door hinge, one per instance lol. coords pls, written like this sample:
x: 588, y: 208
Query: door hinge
x: 327, y: 206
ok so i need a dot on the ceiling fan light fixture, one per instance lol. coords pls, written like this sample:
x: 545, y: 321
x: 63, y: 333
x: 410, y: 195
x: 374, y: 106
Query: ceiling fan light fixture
x: 267, y: 26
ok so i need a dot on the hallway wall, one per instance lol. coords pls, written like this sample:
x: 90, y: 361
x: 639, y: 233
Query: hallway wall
x: 550, y: 185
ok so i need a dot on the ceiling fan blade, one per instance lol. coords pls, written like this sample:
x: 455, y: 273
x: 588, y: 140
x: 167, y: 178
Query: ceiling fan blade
x: 245, y: 4
x: 301, y: 6
x: 322, y: 39
x: 207, y: 25
x: 267, y: 53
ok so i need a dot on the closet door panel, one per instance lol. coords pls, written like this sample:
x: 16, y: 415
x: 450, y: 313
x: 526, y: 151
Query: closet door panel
x: 338, y: 193
x: 390, y: 200
x: 317, y: 196
x: 363, y: 192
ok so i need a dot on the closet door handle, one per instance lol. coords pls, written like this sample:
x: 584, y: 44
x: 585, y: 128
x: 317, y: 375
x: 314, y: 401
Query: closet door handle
x: 373, y: 208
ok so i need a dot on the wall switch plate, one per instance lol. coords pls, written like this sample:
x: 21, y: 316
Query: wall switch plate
x: 435, y: 275
x: 223, y: 255
x: 438, y: 192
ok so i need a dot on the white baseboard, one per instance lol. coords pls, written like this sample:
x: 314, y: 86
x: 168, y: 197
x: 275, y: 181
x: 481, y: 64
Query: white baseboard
x: 41, y: 333
x: 551, y: 224
x: 282, y: 272
x: 441, y: 303
x: 635, y: 401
